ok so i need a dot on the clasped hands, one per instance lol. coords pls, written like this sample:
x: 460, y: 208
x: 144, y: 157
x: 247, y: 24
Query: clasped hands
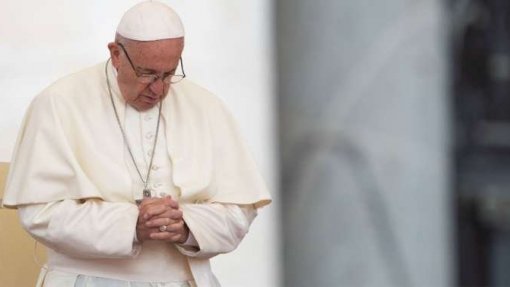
x: 154, y: 214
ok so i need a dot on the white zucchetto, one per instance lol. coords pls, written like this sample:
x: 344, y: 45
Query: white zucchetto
x: 150, y: 21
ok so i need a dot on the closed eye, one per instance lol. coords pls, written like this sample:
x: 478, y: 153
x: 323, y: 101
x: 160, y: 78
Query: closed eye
x: 153, y: 73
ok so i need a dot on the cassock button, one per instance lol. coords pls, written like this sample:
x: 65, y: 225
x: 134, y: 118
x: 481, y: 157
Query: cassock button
x: 155, y: 167
x: 148, y: 117
x: 149, y: 135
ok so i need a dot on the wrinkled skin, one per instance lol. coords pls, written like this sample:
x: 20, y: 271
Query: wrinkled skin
x: 158, y: 57
x: 155, y: 212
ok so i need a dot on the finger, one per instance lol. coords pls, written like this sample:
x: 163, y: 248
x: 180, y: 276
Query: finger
x: 175, y: 227
x: 159, y: 222
x: 148, y: 201
x: 143, y: 232
x: 150, y: 205
x: 167, y: 200
x: 166, y: 236
x: 155, y: 210
x: 170, y: 202
x: 173, y: 214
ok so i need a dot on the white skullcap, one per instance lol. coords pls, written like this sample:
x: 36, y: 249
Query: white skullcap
x: 150, y: 21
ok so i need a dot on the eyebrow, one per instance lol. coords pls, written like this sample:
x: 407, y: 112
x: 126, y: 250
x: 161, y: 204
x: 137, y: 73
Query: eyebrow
x: 152, y: 71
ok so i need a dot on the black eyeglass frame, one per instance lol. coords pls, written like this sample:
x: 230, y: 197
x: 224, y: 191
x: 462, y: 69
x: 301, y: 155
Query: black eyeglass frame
x: 151, y: 78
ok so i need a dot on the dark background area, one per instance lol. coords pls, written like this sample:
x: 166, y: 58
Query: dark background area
x: 481, y: 78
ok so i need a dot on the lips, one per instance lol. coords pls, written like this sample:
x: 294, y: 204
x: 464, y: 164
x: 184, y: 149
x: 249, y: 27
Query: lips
x: 150, y: 99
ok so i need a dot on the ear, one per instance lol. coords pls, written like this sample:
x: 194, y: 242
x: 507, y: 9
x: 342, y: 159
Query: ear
x: 114, y: 54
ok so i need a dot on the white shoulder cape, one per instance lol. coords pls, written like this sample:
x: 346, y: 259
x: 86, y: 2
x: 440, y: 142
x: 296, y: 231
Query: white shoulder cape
x: 70, y: 147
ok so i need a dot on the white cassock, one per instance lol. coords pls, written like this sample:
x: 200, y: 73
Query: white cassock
x: 75, y: 186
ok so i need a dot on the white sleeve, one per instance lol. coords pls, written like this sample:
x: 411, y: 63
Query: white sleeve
x: 217, y: 228
x: 89, y: 229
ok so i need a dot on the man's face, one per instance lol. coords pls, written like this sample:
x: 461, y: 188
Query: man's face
x: 155, y: 57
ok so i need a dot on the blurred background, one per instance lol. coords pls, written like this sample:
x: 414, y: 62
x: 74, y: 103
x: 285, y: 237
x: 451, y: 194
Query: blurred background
x: 381, y: 127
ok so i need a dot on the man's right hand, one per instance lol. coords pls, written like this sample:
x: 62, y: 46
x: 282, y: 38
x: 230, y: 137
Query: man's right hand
x: 156, y: 212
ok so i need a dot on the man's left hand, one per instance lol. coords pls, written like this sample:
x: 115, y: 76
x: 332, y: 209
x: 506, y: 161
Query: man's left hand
x: 164, y: 214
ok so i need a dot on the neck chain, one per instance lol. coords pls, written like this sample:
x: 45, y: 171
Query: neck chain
x: 146, y: 189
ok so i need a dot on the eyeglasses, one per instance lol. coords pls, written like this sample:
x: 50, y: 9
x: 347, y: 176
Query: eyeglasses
x: 148, y: 78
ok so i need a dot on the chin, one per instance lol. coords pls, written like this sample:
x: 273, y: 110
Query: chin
x: 145, y: 107
x: 141, y: 105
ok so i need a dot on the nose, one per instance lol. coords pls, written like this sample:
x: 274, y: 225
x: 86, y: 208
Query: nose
x: 157, y: 87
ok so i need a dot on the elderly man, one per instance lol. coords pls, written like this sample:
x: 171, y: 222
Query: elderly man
x: 130, y: 174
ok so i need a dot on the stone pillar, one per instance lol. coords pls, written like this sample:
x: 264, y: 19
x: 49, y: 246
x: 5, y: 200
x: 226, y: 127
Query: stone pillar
x: 363, y: 109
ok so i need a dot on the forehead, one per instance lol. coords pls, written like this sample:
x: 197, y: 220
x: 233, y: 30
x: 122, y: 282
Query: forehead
x: 157, y: 55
